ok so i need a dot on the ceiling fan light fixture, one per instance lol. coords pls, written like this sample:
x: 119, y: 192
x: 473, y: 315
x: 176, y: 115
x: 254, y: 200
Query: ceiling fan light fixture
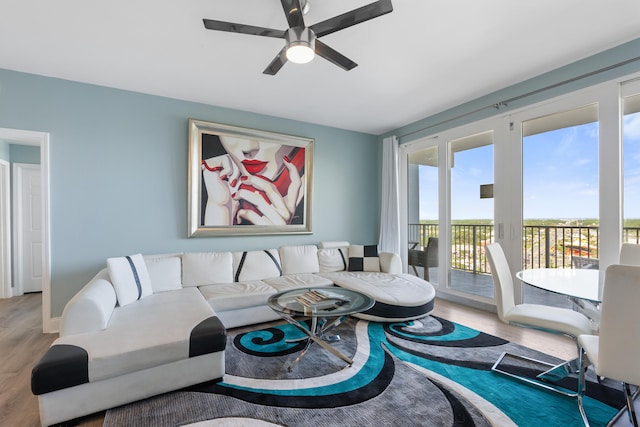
x: 301, y: 45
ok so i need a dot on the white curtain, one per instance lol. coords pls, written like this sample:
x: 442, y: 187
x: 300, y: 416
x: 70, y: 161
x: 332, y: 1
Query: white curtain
x: 390, y: 212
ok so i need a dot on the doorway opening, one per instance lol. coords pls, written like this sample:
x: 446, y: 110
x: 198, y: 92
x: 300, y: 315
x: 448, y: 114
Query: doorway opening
x: 41, y: 140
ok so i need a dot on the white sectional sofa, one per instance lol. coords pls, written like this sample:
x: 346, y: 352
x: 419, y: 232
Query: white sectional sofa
x: 148, y: 325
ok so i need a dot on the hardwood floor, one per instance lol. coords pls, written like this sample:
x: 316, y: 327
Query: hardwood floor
x: 556, y: 345
x: 22, y: 343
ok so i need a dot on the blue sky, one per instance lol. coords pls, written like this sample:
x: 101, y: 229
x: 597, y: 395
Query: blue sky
x: 560, y: 176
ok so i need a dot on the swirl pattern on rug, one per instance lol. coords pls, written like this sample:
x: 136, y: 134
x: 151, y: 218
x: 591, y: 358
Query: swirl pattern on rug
x: 428, y: 372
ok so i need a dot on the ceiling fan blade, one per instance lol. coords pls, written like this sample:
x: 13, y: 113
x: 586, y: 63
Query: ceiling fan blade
x: 211, y: 24
x: 293, y: 12
x: 334, y: 57
x: 351, y: 18
x: 277, y: 63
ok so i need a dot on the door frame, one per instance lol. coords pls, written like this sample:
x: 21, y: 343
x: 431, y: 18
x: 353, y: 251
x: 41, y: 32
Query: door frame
x: 5, y: 229
x: 39, y: 139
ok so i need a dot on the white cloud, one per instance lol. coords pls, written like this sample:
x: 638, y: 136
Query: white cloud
x: 581, y: 161
x: 588, y: 192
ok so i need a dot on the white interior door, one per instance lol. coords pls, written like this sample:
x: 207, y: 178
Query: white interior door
x: 28, y: 228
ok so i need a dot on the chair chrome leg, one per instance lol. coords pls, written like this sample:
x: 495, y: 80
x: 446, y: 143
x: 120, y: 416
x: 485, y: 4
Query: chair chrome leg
x: 496, y: 368
x: 583, y: 414
x: 583, y: 363
x: 625, y: 409
x: 558, y: 372
x: 630, y: 406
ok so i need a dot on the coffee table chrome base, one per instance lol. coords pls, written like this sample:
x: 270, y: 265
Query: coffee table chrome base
x: 317, y: 334
x: 327, y: 307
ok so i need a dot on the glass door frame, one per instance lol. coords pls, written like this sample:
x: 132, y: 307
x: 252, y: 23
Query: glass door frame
x: 627, y: 89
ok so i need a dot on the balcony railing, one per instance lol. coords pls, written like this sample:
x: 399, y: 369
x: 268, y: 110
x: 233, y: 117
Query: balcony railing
x: 544, y: 245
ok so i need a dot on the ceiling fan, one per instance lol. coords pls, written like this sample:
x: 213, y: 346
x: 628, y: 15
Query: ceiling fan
x: 302, y: 41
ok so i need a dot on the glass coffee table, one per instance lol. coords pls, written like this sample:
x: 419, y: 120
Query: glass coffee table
x: 326, y: 307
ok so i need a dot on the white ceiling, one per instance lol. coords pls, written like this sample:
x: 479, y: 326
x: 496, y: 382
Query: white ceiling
x: 424, y: 57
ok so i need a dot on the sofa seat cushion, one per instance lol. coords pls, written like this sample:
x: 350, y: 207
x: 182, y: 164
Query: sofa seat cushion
x: 158, y: 329
x: 398, y: 289
x: 237, y: 295
x: 398, y: 296
x: 297, y: 281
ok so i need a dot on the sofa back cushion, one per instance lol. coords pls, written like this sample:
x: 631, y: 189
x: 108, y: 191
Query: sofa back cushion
x: 130, y: 278
x: 256, y: 265
x: 165, y: 272
x: 206, y: 268
x: 299, y: 259
x: 334, y: 259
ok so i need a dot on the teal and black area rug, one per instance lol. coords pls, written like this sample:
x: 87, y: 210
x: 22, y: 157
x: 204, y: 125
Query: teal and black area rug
x: 426, y: 373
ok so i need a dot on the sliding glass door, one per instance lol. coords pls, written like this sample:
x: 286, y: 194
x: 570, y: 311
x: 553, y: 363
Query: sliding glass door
x: 423, y: 213
x: 471, y: 212
x: 449, y: 210
x: 560, y: 197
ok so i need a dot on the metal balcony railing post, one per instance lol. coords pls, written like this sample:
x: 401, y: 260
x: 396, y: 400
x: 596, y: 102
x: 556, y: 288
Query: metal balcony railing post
x: 547, y: 246
x: 475, y: 237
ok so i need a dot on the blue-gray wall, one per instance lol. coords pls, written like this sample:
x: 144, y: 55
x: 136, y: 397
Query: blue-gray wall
x: 5, y: 153
x: 118, y: 174
x: 24, y: 154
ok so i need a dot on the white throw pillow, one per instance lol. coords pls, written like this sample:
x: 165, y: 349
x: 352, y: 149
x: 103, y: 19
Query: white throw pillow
x: 130, y: 278
x: 165, y: 272
x: 364, y: 258
x: 335, y: 259
x: 299, y: 259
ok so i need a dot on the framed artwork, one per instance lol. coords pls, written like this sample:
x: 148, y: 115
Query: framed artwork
x: 246, y: 181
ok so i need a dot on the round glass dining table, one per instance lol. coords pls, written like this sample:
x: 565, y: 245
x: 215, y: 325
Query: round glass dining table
x: 572, y: 282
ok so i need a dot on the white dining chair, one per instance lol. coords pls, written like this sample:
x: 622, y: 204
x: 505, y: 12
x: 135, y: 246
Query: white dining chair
x: 541, y: 317
x: 629, y: 255
x: 614, y: 353
x: 584, y: 262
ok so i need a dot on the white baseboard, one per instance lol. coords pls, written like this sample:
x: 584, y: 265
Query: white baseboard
x: 52, y: 326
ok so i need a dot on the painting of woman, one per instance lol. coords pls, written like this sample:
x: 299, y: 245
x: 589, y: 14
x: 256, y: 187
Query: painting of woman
x: 249, y: 181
